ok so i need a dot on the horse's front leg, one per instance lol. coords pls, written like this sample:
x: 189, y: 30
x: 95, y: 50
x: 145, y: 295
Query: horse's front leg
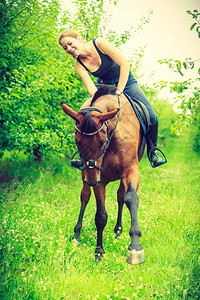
x: 85, y: 196
x: 135, y: 253
x: 100, y: 219
x: 120, y: 200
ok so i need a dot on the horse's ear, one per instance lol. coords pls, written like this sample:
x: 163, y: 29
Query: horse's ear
x: 70, y: 112
x: 108, y: 115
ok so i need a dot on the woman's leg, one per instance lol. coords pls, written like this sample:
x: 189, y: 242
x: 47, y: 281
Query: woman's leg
x: 133, y: 90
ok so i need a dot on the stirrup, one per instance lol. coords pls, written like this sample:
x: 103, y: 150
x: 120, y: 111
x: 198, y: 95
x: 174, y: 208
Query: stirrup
x: 161, y: 163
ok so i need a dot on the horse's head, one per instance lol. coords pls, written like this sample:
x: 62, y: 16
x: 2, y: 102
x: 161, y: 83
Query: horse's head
x: 91, y: 135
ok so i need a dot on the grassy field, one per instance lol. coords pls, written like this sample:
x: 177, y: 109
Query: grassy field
x: 39, y: 209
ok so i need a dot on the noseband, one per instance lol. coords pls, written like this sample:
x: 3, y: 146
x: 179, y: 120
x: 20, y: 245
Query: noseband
x: 92, y: 163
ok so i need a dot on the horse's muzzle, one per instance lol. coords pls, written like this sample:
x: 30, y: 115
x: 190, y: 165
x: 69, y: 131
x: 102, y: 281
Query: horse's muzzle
x: 92, y: 177
x: 92, y: 174
x: 92, y: 183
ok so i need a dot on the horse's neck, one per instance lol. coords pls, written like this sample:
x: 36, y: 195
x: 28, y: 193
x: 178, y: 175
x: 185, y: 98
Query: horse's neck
x: 107, y: 104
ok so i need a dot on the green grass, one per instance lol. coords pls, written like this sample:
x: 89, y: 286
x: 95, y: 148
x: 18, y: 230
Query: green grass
x: 39, y: 209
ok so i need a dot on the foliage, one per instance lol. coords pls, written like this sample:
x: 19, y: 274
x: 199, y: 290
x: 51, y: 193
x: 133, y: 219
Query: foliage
x: 188, y: 94
x: 195, y: 15
x: 165, y: 113
x: 189, y: 63
x: 194, y: 102
x: 34, y: 80
x: 176, y: 65
x: 87, y: 26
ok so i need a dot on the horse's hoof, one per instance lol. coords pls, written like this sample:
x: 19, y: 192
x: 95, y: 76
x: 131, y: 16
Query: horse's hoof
x: 98, y: 257
x: 135, y: 257
x: 118, y: 234
x: 75, y: 243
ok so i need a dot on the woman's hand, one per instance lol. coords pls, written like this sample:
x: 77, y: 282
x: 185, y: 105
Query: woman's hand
x: 118, y: 92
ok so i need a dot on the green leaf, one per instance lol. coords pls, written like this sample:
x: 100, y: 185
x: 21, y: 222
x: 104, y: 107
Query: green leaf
x: 193, y: 25
x: 185, y: 65
x: 178, y: 65
x: 189, y: 12
x: 198, y: 29
x: 15, y: 95
x: 199, y: 71
x: 189, y: 63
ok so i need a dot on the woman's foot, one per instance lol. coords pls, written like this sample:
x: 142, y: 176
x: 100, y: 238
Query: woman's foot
x: 77, y: 163
x: 155, y: 159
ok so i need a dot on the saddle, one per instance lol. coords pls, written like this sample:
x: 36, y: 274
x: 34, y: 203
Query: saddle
x: 144, y: 119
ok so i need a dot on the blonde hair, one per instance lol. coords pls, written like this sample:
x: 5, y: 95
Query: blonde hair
x: 72, y: 33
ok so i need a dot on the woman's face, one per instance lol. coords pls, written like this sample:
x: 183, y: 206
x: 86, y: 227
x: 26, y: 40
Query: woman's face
x: 71, y: 45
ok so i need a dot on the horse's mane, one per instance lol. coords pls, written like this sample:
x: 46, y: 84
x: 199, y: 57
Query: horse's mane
x: 104, y: 90
x: 88, y: 124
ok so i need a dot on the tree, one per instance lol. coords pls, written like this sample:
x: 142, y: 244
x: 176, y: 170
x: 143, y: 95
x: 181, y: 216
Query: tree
x: 33, y: 79
x: 188, y: 93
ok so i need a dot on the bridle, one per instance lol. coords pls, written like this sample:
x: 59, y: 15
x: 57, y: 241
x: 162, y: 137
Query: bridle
x: 92, y: 163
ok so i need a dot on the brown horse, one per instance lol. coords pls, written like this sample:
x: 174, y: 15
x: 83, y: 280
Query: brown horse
x: 108, y: 137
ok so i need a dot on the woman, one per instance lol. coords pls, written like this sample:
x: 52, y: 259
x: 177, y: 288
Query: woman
x: 104, y: 61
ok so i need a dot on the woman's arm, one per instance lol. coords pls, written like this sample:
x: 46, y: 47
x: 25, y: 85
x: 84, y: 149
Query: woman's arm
x: 86, y: 79
x: 119, y: 58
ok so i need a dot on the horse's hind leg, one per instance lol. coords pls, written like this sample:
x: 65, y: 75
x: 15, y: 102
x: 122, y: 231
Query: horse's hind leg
x: 120, y: 200
x: 85, y: 196
x: 135, y: 253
